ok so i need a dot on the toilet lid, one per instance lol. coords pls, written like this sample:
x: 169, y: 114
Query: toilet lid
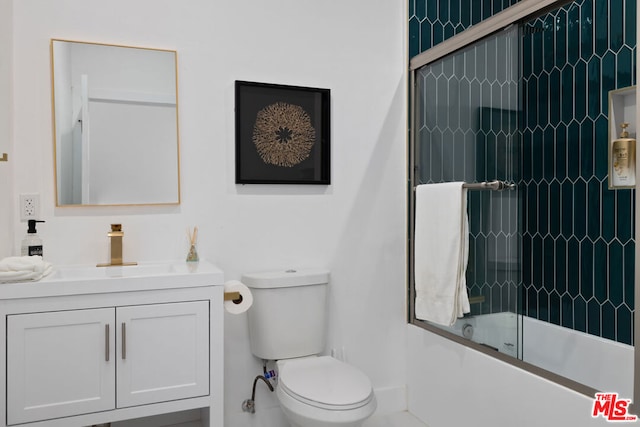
x: 325, y: 381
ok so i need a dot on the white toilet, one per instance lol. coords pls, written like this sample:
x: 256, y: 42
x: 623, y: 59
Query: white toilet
x: 287, y: 324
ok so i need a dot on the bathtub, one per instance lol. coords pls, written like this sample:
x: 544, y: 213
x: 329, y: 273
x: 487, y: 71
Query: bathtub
x: 450, y: 384
x: 597, y: 362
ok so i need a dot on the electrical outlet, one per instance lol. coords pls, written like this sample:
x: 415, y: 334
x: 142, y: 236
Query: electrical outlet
x: 29, y: 206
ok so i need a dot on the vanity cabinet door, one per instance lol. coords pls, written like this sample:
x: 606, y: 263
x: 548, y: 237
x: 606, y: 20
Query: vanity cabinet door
x: 163, y: 352
x: 59, y: 364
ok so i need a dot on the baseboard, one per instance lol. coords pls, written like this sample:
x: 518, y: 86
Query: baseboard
x: 189, y: 424
x: 189, y: 418
x: 391, y: 400
x: 264, y: 417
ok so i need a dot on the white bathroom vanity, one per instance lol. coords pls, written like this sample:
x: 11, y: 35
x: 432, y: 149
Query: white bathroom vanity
x: 91, y: 345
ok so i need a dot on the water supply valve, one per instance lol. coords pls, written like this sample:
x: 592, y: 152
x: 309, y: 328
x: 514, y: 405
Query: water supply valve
x: 249, y: 405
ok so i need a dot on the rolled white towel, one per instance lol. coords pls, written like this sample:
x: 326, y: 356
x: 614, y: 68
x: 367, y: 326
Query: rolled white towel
x: 22, y: 263
x: 17, y: 269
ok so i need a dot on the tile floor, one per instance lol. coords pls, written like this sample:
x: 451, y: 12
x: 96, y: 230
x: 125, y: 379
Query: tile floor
x: 400, y: 419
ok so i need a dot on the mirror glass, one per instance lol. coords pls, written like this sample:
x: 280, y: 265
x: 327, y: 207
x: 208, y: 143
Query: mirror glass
x: 115, y: 124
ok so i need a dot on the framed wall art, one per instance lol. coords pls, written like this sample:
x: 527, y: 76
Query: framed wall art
x: 282, y: 134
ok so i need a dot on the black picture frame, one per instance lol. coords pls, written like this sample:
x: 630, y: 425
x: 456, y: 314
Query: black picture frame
x: 282, y: 134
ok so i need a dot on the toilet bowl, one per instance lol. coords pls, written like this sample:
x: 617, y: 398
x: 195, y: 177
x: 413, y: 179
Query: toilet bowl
x: 323, y: 391
x: 287, y: 324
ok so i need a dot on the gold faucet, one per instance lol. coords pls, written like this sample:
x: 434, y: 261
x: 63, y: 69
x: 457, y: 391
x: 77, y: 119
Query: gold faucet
x: 115, y: 235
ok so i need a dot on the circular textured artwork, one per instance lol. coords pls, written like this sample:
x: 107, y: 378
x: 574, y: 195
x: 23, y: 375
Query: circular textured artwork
x: 283, y: 134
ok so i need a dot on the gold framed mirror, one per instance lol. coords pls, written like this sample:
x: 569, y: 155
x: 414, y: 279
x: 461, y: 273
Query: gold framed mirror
x: 115, y: 124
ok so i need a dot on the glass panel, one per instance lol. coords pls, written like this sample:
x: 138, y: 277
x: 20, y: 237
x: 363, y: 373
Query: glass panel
x: 585, y: 271
x: 467, y: 121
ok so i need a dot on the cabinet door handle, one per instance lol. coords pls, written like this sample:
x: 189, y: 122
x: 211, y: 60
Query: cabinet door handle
x: 124, y: 340
x: 106, y: 342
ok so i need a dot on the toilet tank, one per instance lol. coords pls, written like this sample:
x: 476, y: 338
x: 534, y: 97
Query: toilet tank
x: 288, y: 315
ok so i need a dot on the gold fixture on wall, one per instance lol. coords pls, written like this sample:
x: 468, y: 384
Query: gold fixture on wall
x: 4, y: 158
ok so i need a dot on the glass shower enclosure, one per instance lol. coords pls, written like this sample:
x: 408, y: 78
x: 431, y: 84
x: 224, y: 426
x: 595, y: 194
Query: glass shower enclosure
x: 551, y: 271
x: 466, y: 111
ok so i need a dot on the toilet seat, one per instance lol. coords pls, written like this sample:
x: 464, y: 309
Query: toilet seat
x: 325, y: 382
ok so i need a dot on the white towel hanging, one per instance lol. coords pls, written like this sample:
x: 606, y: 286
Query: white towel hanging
x: 441, y: 252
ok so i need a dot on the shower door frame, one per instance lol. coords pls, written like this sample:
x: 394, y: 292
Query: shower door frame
x: 521, y: 11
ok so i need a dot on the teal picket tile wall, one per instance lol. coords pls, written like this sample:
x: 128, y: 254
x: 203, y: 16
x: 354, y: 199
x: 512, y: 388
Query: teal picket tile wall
x: 433, y: 21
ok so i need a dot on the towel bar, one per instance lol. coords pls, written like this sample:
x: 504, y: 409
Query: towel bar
x: 496, y: 185
x: 489, y: 185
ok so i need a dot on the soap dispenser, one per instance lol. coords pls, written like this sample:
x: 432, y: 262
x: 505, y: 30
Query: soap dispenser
x: 32, y: 243
x: 624, y: 159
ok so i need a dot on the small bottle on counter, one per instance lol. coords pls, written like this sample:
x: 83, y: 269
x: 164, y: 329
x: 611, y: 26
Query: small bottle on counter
x: 32, y: 243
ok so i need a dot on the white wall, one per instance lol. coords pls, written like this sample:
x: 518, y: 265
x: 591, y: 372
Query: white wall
x: 354, y: 227
x: 453, y: 385
x: 6, y: 181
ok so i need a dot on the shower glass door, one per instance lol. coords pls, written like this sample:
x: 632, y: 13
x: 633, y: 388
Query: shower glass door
x: 551, y: 273
x: 466, y: 120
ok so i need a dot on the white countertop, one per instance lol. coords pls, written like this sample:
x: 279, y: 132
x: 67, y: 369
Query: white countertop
x: 89, y: 279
